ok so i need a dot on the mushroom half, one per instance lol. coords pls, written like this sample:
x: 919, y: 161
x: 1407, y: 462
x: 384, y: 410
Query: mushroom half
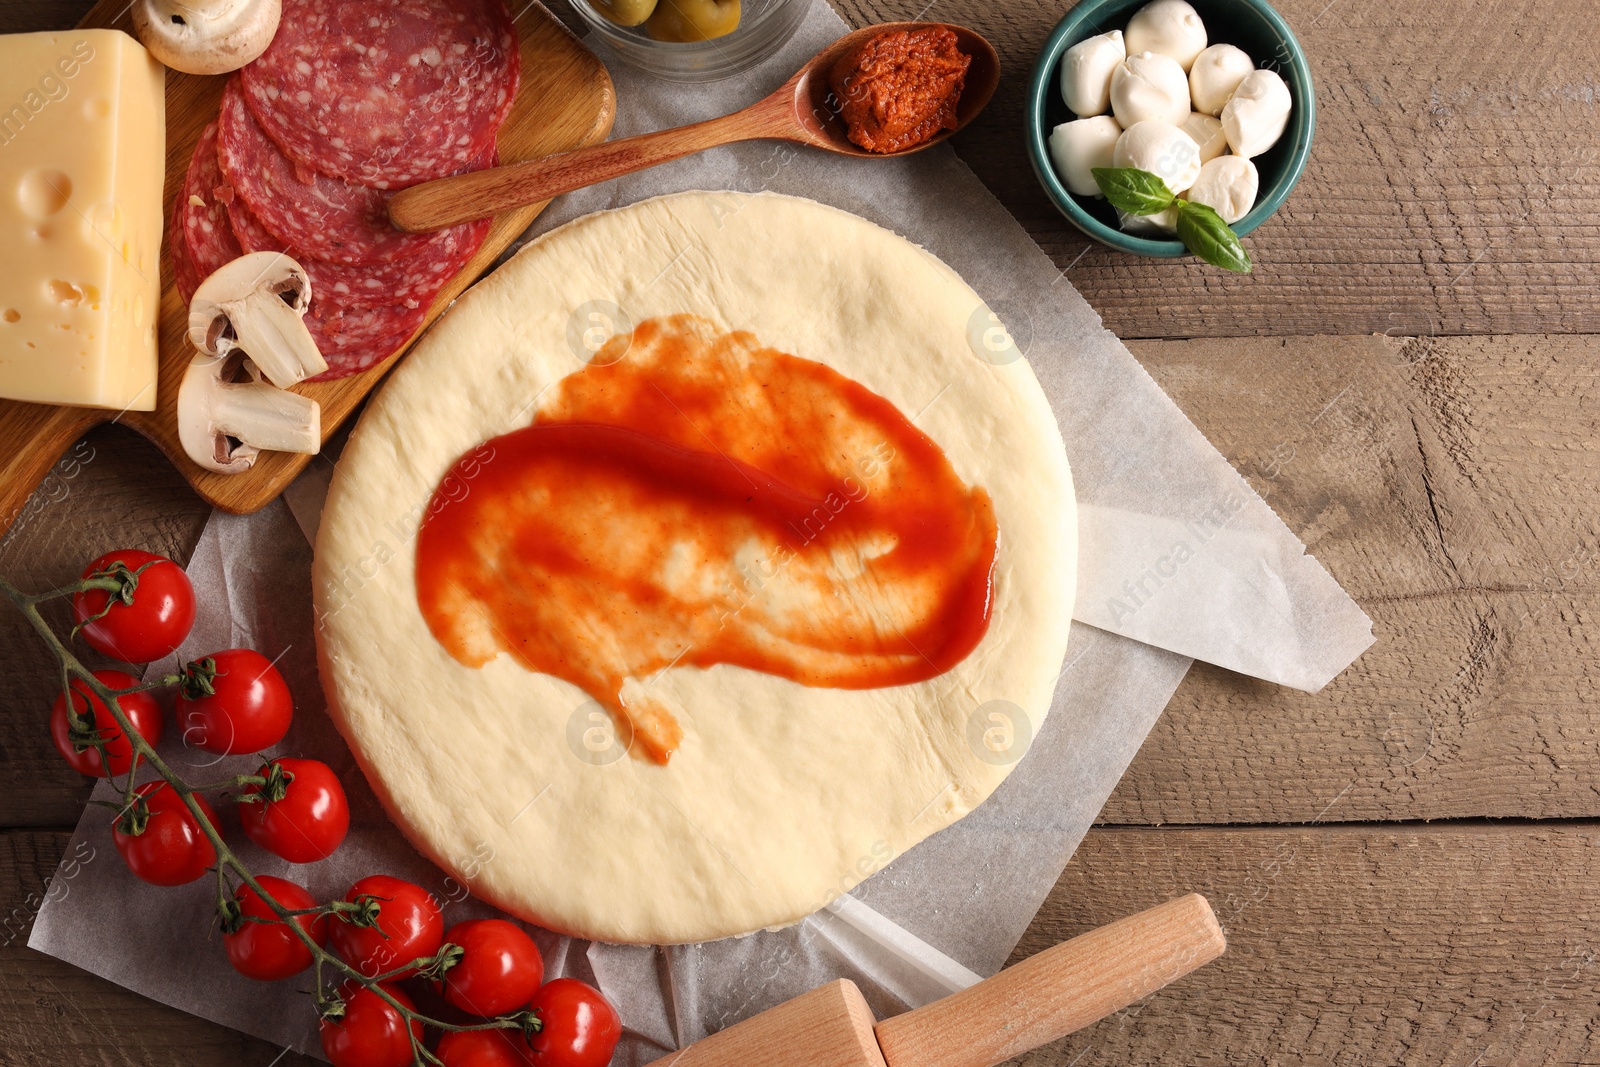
x: 206, y: 36
x: 223, y: 425
x: 256, y: 305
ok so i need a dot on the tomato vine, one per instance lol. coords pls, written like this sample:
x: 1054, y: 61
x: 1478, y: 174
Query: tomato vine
x: 131, y: 812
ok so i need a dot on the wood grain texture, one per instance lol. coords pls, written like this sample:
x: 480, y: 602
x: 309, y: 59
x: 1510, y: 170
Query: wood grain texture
x: 53, y: 1015
x: 1451, y: 189
x: 566, y: 100
x: 1434, y: 947
x: 1450, y: 485
x: 831, y: 1026
x: 111, y: 489
x: 1058, y: 990
x: 798, y: 111
x: 1426, y: 946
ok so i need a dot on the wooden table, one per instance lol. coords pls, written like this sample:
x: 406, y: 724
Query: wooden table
x: 1403, y: 861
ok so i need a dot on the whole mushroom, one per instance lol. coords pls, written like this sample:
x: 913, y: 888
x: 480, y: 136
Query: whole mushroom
x: 257, y: 304
x: 206, y: 36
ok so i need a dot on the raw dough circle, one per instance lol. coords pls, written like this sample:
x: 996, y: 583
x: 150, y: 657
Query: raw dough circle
x: 781, y: 797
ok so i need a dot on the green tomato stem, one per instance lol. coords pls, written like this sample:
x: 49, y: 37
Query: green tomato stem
x: 71, y: 668
x: 110, y: 585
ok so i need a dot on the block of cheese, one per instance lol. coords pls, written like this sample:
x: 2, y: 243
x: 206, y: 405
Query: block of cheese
x: 82, y: 158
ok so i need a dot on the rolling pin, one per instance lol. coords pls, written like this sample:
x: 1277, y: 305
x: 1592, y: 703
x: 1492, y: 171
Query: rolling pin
x: 1041, y: 999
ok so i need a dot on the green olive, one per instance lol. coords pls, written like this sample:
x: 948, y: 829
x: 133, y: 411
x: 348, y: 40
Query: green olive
x: 693, y: 20
x: 624, y: 12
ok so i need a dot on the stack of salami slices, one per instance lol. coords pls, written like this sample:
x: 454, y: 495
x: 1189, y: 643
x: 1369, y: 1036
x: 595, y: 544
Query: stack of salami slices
x: 352, y: 101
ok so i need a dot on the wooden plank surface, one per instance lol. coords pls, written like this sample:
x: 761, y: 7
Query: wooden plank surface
x: 1452, y: 184
x: 1451, y: 485
x: 52, y: 1014
x: 1353, y: 945
x: 111, y: 488
x: 1448, y: 481
x: 1430, y: 946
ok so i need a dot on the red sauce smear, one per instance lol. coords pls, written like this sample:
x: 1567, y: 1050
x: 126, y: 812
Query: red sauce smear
x: 691, y: 498
x: 900, y: 88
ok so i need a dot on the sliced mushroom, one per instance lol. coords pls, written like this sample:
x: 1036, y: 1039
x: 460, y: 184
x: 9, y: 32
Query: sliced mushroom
x: 224, y: 425
x: 206, y: 36
x: 257, y: 305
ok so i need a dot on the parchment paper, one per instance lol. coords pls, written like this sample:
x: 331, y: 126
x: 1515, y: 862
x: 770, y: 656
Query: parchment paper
x: 1178, y: 554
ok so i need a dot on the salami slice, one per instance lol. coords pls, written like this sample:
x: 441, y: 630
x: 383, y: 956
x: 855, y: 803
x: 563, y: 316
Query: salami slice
x: 184, y: 275
x: 353, y: 326
x: 411, y: 282
x: 386, y: 93
x: 322, y: 217
x: 200, y: 214
x: 351, y: 341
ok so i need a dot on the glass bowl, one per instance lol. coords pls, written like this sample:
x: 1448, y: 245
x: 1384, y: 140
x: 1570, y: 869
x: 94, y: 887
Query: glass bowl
x: 1252, y: 25
x: 764, y: 26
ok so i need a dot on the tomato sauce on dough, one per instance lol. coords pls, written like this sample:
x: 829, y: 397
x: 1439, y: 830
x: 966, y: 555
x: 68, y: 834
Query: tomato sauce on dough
x: 900, y: 88
x: 692, y: 498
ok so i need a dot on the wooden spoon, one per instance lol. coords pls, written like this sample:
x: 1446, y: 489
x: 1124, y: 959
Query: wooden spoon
x: 800, y: 111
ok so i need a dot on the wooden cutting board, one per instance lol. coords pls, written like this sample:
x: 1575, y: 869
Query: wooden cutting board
x: 566, y: 101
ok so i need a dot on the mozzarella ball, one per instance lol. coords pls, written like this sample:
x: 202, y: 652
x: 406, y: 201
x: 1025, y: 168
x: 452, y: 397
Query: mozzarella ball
x: 1207, y: 133
x: 1216, y: 73
x: 1149, y: 86
x: 1229, y: 184
x: 1162, y: 223
x: 1256, y: 114
x: 1170, y: 28
x: 1086, y: 73
x: 1079, y: 147
x: 1163, y: 150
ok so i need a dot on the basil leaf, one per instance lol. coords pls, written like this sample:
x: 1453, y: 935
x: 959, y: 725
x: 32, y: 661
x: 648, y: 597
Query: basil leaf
x: 1203, y: 232
x: 1133, y: 191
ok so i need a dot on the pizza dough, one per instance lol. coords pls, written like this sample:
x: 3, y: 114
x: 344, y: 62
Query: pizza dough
x: 780, y: 797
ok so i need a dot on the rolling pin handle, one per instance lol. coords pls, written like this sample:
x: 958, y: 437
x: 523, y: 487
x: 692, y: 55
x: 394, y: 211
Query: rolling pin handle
x: 1057, y: 991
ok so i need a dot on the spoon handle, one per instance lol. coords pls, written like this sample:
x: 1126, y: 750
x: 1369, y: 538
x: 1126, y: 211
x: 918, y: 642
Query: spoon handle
x: 448, y: 201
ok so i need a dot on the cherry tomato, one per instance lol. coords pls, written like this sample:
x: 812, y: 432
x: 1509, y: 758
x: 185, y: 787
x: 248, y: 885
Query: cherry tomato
x: 581, y: 1028
x: 149, y: 620
x: 140, y: 708
x: 171, y: 849
x: 309, y: 817
x: 409, y: 926
x: 232, y: 702
x: 499, y: 971
x: 371, y: 1034
x: 268, y: 951
x: 483, y: 1048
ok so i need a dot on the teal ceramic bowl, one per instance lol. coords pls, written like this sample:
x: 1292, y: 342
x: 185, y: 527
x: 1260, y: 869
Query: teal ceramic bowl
x: 1252, y: 25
